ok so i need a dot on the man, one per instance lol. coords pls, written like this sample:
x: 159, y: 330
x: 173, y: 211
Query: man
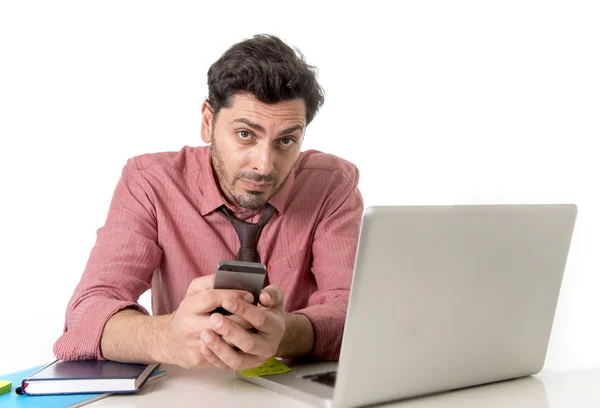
x: 171, y: 221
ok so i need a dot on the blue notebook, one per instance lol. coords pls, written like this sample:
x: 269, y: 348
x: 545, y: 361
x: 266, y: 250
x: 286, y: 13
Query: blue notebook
x: 12, y: 400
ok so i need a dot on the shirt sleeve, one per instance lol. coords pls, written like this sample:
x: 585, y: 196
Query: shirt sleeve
x: 119, y: 269
x: 333, y: 255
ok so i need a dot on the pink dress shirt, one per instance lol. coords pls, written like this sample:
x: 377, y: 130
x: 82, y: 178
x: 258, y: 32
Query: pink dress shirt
x: 162, y: 231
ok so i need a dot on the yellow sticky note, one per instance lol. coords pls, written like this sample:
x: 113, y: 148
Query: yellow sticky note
x: 5, y: 386
x: 270, y: 367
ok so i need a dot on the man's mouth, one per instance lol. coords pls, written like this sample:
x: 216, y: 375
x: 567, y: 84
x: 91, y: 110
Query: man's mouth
x: 255, y: 186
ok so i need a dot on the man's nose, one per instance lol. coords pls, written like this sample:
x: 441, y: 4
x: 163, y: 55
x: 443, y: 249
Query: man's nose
x: 263, y: 159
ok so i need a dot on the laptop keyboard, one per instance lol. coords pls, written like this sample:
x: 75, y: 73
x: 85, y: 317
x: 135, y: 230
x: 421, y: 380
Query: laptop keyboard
x: 327, y: 378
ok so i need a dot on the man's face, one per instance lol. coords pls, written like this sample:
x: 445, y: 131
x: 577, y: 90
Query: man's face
x: 254, y: 146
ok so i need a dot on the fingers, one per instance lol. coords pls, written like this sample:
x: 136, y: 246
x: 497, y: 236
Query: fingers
x: 209, y: 300
x: 207, y: 353
x: 270, y: 322
x: 240, y: 321
x: 258, y: 318
x: 244, y: 340
x: 271, y: 296
x: 219, y: 353
x: 200, y: 284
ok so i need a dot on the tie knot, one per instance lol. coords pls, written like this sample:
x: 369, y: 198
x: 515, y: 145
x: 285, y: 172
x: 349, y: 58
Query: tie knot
x: 248, y: 233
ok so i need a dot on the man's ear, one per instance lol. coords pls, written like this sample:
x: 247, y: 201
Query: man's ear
x: 207, y: 122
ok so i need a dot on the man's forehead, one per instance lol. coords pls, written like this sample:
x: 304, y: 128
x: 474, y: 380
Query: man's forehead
x: 285, y: 111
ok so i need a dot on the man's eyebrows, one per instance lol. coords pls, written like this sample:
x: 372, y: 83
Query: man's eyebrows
x: 249, y: 123
x: 292, y: 129
x: 259, y: 128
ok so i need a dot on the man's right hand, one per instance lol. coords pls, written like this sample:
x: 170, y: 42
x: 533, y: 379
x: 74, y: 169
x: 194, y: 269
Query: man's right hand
x: 181, y: 337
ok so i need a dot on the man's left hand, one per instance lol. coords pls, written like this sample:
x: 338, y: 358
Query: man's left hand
x: 255, y: 347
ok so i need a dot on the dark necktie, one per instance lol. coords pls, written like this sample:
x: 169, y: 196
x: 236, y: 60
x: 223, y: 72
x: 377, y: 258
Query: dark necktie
x: 248, y: 233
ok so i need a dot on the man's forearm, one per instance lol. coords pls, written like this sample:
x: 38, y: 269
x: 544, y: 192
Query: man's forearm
x: 299, y: 337
x: 132, y: 337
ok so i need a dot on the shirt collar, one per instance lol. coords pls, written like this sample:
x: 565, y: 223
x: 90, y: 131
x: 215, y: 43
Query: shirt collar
x: 211, y: 197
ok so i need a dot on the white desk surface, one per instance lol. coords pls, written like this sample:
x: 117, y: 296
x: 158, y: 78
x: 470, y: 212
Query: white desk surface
x: 216, y: 388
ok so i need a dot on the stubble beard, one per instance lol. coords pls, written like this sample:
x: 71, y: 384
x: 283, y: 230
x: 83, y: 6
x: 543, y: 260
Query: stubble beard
x: 253, y: 200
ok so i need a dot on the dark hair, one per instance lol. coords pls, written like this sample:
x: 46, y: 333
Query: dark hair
x: 267, y: 68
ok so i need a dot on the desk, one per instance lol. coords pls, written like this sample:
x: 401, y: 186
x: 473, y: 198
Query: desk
x: 216, y: 388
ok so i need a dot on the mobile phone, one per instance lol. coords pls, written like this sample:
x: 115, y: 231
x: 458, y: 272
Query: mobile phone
x: 240, y: 275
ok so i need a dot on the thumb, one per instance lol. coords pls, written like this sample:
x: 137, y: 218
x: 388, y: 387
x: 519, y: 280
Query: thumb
x: 200, y: 284
x: 272, y: 297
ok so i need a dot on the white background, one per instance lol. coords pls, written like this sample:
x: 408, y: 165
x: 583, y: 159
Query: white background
x: 447, y: 102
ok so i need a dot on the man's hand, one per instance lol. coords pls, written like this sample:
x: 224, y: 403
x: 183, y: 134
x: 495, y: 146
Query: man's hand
x: 181, y: 340
x: 256, y: 346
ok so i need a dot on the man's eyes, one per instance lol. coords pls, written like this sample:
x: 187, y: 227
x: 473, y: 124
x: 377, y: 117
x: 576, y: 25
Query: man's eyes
x: 284, y: 142
x: 287, y: 141
x: 244, y: 134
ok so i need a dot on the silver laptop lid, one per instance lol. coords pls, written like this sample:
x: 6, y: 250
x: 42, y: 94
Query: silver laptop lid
x: 445, y: 297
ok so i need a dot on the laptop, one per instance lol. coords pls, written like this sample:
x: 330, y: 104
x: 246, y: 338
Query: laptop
x: 442, y: 298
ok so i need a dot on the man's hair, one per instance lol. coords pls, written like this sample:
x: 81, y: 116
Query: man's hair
x: 267, y: 68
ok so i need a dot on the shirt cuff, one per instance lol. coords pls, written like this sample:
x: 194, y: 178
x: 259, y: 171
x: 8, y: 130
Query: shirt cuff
x: 328, y: 324
x: 82, y: 341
